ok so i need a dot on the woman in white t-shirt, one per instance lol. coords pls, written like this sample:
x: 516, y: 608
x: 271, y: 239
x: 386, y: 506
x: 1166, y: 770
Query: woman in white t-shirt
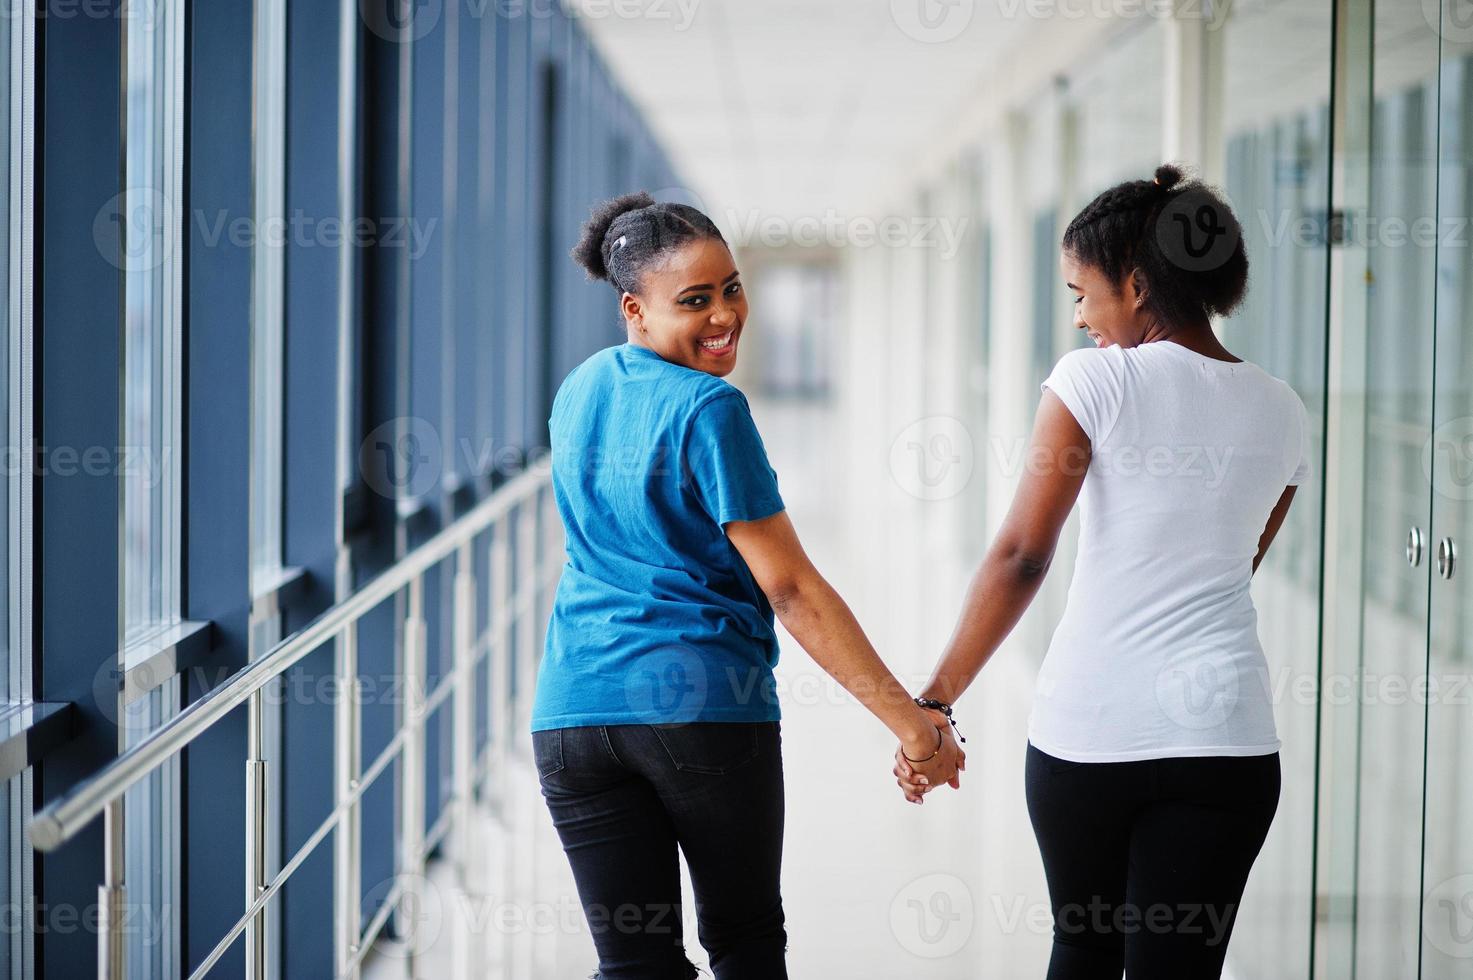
x: 1153, y: 772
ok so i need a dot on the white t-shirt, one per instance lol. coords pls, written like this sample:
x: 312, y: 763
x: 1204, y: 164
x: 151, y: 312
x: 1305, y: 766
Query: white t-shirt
x: 1157, y: 654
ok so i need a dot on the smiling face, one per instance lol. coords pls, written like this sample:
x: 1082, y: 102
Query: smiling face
x: 1110, y: 312
x: 690, y: 308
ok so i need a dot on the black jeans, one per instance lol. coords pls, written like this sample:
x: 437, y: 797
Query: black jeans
x: 1146, y: 861
x: 625, y: 797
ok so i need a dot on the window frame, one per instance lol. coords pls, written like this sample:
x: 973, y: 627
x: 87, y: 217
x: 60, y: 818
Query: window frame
x: 17, y: 874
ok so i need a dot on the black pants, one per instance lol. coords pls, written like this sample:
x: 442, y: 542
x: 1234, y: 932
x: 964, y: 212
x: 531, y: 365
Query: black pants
x: 1146, y: 861
x: 625, y: 797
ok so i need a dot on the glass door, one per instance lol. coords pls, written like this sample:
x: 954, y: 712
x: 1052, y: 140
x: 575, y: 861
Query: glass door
x: 1447, y: 906
x: 1396, y: 530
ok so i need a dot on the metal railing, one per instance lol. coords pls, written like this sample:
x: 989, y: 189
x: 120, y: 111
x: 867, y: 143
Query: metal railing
x: 524, y: 508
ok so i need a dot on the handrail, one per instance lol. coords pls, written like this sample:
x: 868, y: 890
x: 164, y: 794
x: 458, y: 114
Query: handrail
x: 65, y: 816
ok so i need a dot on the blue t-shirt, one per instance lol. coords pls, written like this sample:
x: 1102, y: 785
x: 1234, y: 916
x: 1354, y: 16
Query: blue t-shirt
x: 657, y: 618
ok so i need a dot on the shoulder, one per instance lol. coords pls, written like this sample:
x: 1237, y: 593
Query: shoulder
x: 1095, y: 359
x: 1286, y: 392
x: 715, y: 397
x: 599, y: 362
x: 1103, y: 365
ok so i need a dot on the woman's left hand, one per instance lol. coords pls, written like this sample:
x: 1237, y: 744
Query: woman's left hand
x: 914, y: 785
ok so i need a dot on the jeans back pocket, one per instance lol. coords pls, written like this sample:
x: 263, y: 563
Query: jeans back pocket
x: 547, y: 751
x: 709, y: 747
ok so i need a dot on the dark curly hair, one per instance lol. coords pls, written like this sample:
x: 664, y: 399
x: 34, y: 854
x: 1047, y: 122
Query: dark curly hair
x: 624, y: 235
x: 1183, y: 237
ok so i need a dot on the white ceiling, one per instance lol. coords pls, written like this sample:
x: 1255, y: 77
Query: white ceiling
x: 799, y: 107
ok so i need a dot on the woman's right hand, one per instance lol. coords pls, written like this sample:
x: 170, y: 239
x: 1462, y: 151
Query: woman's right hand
x: 945, y: 766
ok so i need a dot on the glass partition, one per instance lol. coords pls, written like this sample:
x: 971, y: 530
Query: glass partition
x: 1276, y: 160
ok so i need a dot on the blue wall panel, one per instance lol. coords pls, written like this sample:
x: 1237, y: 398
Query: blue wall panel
x: 77, y: 331
x: 312, y: 293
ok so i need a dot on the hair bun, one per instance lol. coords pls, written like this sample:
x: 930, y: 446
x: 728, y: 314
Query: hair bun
x: 1167, y: 176
x: 589, y: 252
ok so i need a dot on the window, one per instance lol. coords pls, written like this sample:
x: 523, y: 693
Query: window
x: 17, y: 59
x: 268, y: 337
x: 267, y: 257
x: 152, y: 241
x: 797, y: 306
x: 1117, y: 105
x: 12, y: 388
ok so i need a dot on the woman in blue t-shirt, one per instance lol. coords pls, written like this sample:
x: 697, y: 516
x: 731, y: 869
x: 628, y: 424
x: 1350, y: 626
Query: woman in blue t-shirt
x: 655, y: 725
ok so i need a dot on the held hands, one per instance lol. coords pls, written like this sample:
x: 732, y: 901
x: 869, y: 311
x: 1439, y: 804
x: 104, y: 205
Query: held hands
x: 916, y: 779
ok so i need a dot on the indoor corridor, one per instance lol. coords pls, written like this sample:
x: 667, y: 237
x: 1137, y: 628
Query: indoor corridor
x: 288, y: 301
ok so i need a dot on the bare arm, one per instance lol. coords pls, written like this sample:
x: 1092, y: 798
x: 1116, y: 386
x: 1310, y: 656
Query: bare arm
x: 1275, y: 521
x: 820, y: 620
x: 1019, y: 558
x: 1058, y: 457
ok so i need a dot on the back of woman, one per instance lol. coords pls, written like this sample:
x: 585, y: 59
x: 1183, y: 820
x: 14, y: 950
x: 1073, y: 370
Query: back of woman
x: 650, y: 460
x: 1152, y: 769
x: 656, y: 727
x: 1158, y: 651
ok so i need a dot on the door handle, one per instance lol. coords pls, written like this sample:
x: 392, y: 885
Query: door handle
x: 1447, y: 556
x: 1415, y: 544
